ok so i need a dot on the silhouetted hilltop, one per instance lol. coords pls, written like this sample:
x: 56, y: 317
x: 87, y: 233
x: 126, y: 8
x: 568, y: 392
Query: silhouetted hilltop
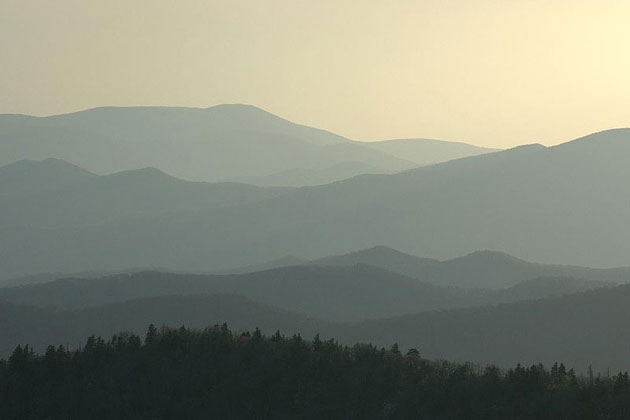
x: 54, y: 193
x: 28, y: 177
x: 380, y: 256
x: 479, y: 269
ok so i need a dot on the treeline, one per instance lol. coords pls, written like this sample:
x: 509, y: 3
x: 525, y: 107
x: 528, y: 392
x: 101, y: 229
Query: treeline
x: 219, y: 374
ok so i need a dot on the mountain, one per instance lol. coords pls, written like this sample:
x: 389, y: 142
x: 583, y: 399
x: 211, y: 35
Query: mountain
x: 28, y: 177
x: 579, y: 330
x: 54, y: 193
x: 381, y: 256
x: 221, y: 143
x: 477, y: 270
x: 332, y: 293
x: 496, y: 270
x: 564, y: 204
x: 543, y: 287
x: 428, y: 151
x: 560, y: 204
x: 213, y: 144
x: 40, y: 278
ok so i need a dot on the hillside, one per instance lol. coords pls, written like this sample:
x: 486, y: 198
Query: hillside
x: 495, y: 270
x: 477, y: 270
x: 338, y: 294
x: 428, y: 151
x: 333, y: 293
x: 544, y: 287
x: 54, y: 193
x: 380, y: 256
x: 581, y: 330
x: 28, y: 177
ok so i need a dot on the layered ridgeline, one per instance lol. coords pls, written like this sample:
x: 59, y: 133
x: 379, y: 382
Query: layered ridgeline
x: 582, y: 330
x: 225, y: 142
x: 340, y: 294
x: 53, y: 193
x: 564, y: 204
x: 481, y: 270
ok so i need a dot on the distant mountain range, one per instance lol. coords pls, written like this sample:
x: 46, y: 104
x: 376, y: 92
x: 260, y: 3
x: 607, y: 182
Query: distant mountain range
x: 226, y: 142
x: 564, y: 204
x: 480, y: 270
x: 335, y: 293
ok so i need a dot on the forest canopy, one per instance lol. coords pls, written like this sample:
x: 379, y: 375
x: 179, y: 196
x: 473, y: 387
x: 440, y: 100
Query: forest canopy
x: 217, y: 373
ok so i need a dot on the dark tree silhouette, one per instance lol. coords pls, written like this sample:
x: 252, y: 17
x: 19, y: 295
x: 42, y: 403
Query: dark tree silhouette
x: 216, y: 373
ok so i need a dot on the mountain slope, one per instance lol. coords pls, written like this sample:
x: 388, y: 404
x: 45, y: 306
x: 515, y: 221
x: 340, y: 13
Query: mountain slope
x: 495, y: 270
x: 381, y: 256
x: 28, y: 177
x: 480, y: 269
x: 332, y: 293
x: 428, y: 151
x: 213, y: 144
x: 579, y: 330
x: 544, y: 287
x: 528, y: 201
x: 54, y: 193
x: 477, y: 270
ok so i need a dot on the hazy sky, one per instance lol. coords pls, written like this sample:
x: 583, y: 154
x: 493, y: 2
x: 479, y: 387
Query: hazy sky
x: 490, y: 72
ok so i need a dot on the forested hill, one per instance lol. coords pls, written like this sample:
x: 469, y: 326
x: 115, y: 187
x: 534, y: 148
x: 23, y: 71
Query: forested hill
x: 185, y: 374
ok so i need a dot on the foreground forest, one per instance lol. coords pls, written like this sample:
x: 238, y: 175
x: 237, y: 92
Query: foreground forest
x: 216, y: 373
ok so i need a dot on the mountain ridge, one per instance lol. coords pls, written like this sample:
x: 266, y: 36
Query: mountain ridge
x: 203, y: 144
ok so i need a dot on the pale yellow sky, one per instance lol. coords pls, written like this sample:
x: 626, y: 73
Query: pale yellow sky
x: 489, y: 72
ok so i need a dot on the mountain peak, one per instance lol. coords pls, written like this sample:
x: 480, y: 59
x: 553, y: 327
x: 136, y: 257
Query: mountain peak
x: 28, y: 176
x: 48, y: 163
